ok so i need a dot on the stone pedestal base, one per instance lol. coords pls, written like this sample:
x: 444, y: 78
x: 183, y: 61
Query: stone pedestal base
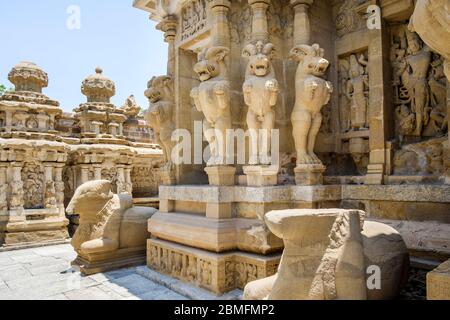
x: 108, y: 261
x: 309, y: 174
x: 221, y: 175
x: 216, y: 272
x: 260, y: 176
x: 438, y: 283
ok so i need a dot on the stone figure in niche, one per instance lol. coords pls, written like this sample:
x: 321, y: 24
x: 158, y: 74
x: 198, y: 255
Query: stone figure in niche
x: 212, y: 97
x: 312, y: 93
x: 160, y: 114
x: 344, y: 101
x: 358, y: 91
x: 260, y: 94
x: 438, y: 97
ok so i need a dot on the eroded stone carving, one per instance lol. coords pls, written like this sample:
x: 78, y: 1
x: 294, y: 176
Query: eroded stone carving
x: 160, y: 114
x: 111, y: 232
x: 312, y: 93
x: 356, y: 92
x: 260, y: 94
x: 326, y: 255
x: 194, y: 18
x: 420, y: 86
x: 212, y: 98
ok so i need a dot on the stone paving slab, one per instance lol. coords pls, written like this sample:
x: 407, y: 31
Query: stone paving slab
x: 45, y: 274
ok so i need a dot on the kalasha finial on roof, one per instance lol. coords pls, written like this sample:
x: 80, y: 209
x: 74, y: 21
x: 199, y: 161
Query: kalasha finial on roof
x: 98, y: 88
x: 27, y: 76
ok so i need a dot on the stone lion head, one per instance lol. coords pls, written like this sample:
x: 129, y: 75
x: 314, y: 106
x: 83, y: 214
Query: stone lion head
x: 260, y: 57
x: 209, y: 62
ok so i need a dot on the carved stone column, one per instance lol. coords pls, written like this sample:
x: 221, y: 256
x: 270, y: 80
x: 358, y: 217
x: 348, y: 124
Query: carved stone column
x: 121, y: 188
x: 260, y: 27
x: 98, y: 172
x: 3, y: 188
x: 302, y: 28
x: 84, y: 177
x: 169, y: 27
x: 128, y: 183
x: 49, y: 190
x: 16, y: 188
x: 220, y: 23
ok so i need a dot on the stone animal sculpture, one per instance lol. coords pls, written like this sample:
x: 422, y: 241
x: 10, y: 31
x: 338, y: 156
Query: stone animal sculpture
x: 260, y: 94
x: 160, y: 113
x: 212, y: 97
x: 112, y: 233
x: 312, y: 93
x: 332, y: 254
x: 431, y: 21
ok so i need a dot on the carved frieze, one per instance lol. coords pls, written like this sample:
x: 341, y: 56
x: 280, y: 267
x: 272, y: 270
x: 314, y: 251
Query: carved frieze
x: 194, y: 18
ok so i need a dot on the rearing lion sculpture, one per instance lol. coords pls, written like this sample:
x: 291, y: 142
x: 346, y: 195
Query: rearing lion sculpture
x: 260, y: 94
x: 212, y: 97
x: 312, y: 93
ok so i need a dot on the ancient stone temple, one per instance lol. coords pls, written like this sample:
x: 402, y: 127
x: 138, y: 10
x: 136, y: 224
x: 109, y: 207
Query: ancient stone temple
x: 357, y: 100
x: 45, y: 154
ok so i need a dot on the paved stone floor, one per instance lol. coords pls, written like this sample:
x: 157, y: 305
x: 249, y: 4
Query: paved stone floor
x: 45, y: 274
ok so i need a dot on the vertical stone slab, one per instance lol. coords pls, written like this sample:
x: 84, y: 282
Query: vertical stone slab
x: 379, y: 103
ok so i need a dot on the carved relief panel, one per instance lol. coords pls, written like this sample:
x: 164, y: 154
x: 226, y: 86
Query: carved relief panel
x: 33, y: 183
x: 194, y: 18
x: 419, y: 87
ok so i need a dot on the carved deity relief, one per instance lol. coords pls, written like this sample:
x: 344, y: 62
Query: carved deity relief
x: 312, y: 93
x: 194, y: 18
x: 159, y: 115
x: 50, y: 195
x: 354, y: 92
x: 33, y: 182
x: 212, y: 98
x: 419, y: 86
x: 260, y: 94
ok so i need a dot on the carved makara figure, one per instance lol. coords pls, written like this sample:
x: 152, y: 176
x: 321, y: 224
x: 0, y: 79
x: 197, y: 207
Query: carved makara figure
x: 260, y: 94
x: 357, y: 91
x: 212, y: 98
x: 160, y: 113
x: 312, y: 93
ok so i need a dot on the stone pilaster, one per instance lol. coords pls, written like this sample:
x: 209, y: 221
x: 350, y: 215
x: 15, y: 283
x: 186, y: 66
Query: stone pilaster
x: 379, y: 105
x: 49, y: 190
x: 98, y: 172
x: 169, y: 27
x: 84, y: 175
x: 121, y: 188
x: 260, y: 27
x: 302, y: 27
x: 220, y: 23
x: 128, y: 183
x: 59, y: 186
x: 16, y: 188
x: 447, y: 143
x: 3, y: 188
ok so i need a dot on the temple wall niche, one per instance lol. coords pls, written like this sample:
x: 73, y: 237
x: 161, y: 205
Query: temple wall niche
x: 420, y: 105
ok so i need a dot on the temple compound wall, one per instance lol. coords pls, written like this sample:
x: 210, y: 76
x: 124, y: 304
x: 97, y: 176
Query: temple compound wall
x: 360, y: 102
x: 46, y: 154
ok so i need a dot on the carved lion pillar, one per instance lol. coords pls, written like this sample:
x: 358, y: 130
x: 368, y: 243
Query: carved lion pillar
x: 169, y: 27
x: 260, y: 27
x: 221, y: 29
x: 302, y: 28
x: 16, y: 187
x: 3, y: 188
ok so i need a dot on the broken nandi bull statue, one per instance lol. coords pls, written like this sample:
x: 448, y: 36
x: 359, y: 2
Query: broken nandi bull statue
x: 112, y: 233
x: 333, y: 254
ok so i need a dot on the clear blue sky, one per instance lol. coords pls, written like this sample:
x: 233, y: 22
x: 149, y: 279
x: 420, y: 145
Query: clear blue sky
x: 113, y: 35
